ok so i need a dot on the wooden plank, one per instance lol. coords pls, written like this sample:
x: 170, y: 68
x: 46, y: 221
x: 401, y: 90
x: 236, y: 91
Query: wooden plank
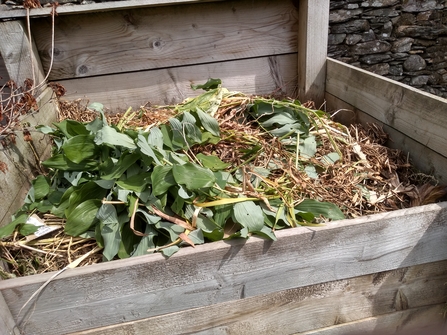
x: 342, y: 302
x: 419, y: 115
x: 312, y: 49
x: 7, y: 323
x: 4, y: 76
x: 20, y: 61
x: 147, y: 286
x: 95, y: 7
x: 151, y: 38
x: 173, y: 85
x: 415, y: 321
x: 20, y: 160
x: 422, y: 157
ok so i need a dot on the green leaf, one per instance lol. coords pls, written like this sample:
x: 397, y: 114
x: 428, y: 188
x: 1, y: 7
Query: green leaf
x: 9, y: 228
x: 61, y: 162
x: 169, y: 251
x: 212, y: 162
x: 330, y: 159
x: 72, y: 128
x: 155, y: 138
x: 191, y: 130
x: 97, y: 106
x: 311, y: 171
x: 28, y: 229
x: 82, y: 217
x: 41, y: 187
x: 193, y: 176
x: 111, y: 136
x: 86, y: 191
x: 79, y: 148
x: 327, y: 209
x: 136, y: 183
x: 249, y: 215
x: 208, y: 122
x: 209, y: 85
x: 146, y: 149
x: 308, y: 148
x: 147, y: 242
x: 124, y: 162
x: 110, y: 230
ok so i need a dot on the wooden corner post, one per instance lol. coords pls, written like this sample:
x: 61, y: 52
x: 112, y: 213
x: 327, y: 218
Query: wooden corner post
x: 312, y: 49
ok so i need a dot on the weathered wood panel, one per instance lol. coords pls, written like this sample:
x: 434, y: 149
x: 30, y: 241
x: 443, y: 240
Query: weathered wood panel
x: 94, y: 7
x: 422, y: 157
x: 419, y: 115
x: 20, y: 160
x: 169, y: 86
x: 20, y: 61
x: 414, y: 321
x: 7, y: 324
x: 137, y: 288
x: 4, y: 76
x: 312, y: 46
x: 312, y: 307
x: 151, y: 38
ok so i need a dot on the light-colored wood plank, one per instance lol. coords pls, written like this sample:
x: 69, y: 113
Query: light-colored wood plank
x: 415, y: 321
x: 342, y: 302
x: 312, y: 49
x: 213, y: 273
x: 423, y: 158
x: 20, y: 61
x: 173, y: 85
x: 7, y: 323
x: 20, y: 160
x: 152, y: 38
x: 96, y: 7
x: 419, y: 115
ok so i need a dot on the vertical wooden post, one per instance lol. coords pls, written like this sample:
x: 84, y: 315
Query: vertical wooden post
x: 312, y: 49
x: 18, y: 58
x: 7, y: 323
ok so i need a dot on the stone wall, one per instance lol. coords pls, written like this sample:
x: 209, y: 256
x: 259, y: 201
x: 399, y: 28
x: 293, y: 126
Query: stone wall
x: 404, y: 40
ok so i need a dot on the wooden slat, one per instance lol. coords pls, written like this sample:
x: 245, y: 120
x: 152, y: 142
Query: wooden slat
x: 20, y: 160
x: 311, y: 307
x: 4, y: 76
x: 423, y: 158
x: 142, y: 287
x: 7, y: 323
x: 419, y: 115
x: 95, y: 7
x: 19, y: 59
x: 312, y: 46
x: 173, y: 85
x: 152, y: 38
x: 415, y: 321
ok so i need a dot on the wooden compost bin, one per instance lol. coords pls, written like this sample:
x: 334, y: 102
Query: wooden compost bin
x: 385, y: 272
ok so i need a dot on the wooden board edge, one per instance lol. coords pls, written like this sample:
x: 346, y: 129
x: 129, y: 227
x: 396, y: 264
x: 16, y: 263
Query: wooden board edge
x: 313, y: 29
x: 414, y: 321
x: 398, y: 105
x: 423, y: 158
x: 7, y: 323
x: 94, y: 7
x: 353, y: 301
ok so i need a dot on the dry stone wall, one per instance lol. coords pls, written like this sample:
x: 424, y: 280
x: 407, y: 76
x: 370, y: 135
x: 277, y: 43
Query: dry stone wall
x: 404, y: 40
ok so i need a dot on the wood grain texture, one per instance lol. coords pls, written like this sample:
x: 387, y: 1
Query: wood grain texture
x: 414, y: 321
x: 159, y: 37
x: 95, y: 7
x: 7, y: 323
x: 173, y: 85
x: 422, y: 157
x: 148, y: 286
x: 19, y: 59
x: 4, y: 76
x: 312, y: 46
x: 419, y: 115
x: 20, y: 161
x: 311, y: 307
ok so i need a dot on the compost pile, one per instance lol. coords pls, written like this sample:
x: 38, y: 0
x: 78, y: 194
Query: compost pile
x: 218, y: 166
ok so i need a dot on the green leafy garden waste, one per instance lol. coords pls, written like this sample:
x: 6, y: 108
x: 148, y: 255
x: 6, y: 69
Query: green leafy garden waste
x: 137, y: 191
